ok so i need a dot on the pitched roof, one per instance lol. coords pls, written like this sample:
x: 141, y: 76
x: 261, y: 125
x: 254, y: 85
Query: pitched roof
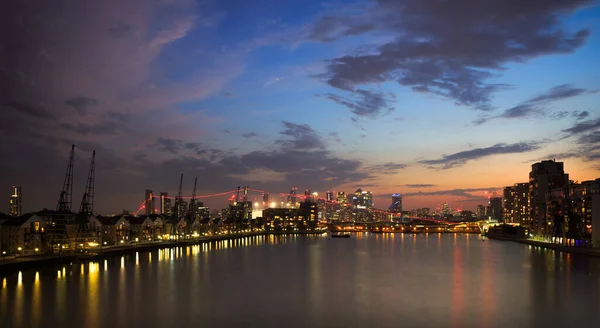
x: 49, y: 213
x: 108, y: 220
x: 137, y: 219
x: 18, y: 221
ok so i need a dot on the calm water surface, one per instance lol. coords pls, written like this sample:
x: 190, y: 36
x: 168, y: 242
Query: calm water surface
x: 371, y: 280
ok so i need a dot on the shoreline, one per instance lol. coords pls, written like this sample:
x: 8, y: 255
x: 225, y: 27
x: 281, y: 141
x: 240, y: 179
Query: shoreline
x: 595, y: 252
x: 28, y: 262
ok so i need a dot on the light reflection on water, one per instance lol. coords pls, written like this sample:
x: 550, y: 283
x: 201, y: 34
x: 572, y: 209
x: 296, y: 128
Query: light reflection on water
x: 441, y: 280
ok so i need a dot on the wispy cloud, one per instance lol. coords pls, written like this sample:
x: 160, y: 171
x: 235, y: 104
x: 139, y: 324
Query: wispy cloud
x: 461, y: 158
x: 365, y: 103
x: 420, y: 185
x: 386, y: 168
x: 538, y: 105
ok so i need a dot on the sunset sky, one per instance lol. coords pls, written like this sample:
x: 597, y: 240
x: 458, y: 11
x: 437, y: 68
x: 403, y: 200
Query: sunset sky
x: 436, y: 100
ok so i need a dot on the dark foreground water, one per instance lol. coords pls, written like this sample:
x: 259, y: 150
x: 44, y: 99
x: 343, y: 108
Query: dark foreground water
x: 366, y: 281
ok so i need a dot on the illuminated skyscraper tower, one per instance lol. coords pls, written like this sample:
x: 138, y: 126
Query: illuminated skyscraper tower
x: 15, y: 202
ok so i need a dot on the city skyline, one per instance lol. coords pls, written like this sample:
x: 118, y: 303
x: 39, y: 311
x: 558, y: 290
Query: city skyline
x: 296, y: 94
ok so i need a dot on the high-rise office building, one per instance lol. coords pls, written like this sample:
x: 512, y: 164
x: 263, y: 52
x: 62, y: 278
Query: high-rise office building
x: 165, y: 204
x: 496, y: 212
x: 307, y: 195
x: 329, y: 196
x: 521, y: 204
x: 15, y: 203
x: 481, y: 212
x: 265, y: 199
x: 544, y: 176
x: 446, y: 210
x: 396, y: 206
x: 292, y: 198
x: 341, y: 197
x: 362, y: 199
x: 508, y: 205
x: 149, y: 202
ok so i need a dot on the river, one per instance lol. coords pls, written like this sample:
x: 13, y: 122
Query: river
x: 369, y: 280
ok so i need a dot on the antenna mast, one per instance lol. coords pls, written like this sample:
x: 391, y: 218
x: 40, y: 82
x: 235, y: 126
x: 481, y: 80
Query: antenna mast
x: 87, y: 203
x: 178, y: 200
x: 192, y: 207
x: 66, y: 195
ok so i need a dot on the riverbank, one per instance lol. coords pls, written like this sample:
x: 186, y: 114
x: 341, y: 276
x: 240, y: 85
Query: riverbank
x: 567, y: 249
x: 27, y: 262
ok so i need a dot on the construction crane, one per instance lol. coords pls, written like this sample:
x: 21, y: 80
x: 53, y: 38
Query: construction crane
x: 86, y: 234
x: 87, y: 202
x: 66, y: 195
x: 56, y: 230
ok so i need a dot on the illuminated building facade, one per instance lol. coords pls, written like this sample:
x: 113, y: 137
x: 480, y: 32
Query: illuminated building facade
x: 516, y: 204
x: 16, y: 201
x: 396, y: 206
x: 165, y: 204
x: 544, y: 176
x: 341, y: 197
x: 362, y: 199
x: 329, y: 196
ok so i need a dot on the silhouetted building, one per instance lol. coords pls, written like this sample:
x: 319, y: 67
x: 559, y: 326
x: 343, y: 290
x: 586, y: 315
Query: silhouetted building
x: 544, y: 176
x: 165, y: 204
x: 496, y: 212
x: 266, y: 199
x: 292, y: 197
x: 481, y: 212
x: 149, y: 202
x: 15, y: 203
x: 329, y: 196
x: 396, y: 206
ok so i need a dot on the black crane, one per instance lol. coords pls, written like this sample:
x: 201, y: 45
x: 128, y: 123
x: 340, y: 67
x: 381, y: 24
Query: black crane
x: 66, y: 195
x: 87, y: 202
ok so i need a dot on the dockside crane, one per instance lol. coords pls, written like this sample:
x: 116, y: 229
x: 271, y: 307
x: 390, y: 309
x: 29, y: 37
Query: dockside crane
x: 66, y: 195
x: 56, y: 230
x: 87, y: 202
x: 85, y: 233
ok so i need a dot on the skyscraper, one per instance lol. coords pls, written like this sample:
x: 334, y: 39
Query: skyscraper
x: 329, y: 196
x: 508, y: 204
x: 292, y: 198
x: 396, y: 206
x: 362, y: 199
x: 149, y: 202
x: 15, y: 202
x: 544, y: 176
x: 165, y: 204
x: 481, y: 212
x: 521, y: 204
x: 341, y: 197
x: 496, y: 212
x: 266, y: 199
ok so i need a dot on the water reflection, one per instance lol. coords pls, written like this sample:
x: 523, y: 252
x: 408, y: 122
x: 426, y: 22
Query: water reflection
x: 432, y: 279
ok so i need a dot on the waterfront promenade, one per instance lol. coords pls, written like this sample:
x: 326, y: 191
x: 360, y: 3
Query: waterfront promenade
x: 548, y: 245
x: 23, y: 262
